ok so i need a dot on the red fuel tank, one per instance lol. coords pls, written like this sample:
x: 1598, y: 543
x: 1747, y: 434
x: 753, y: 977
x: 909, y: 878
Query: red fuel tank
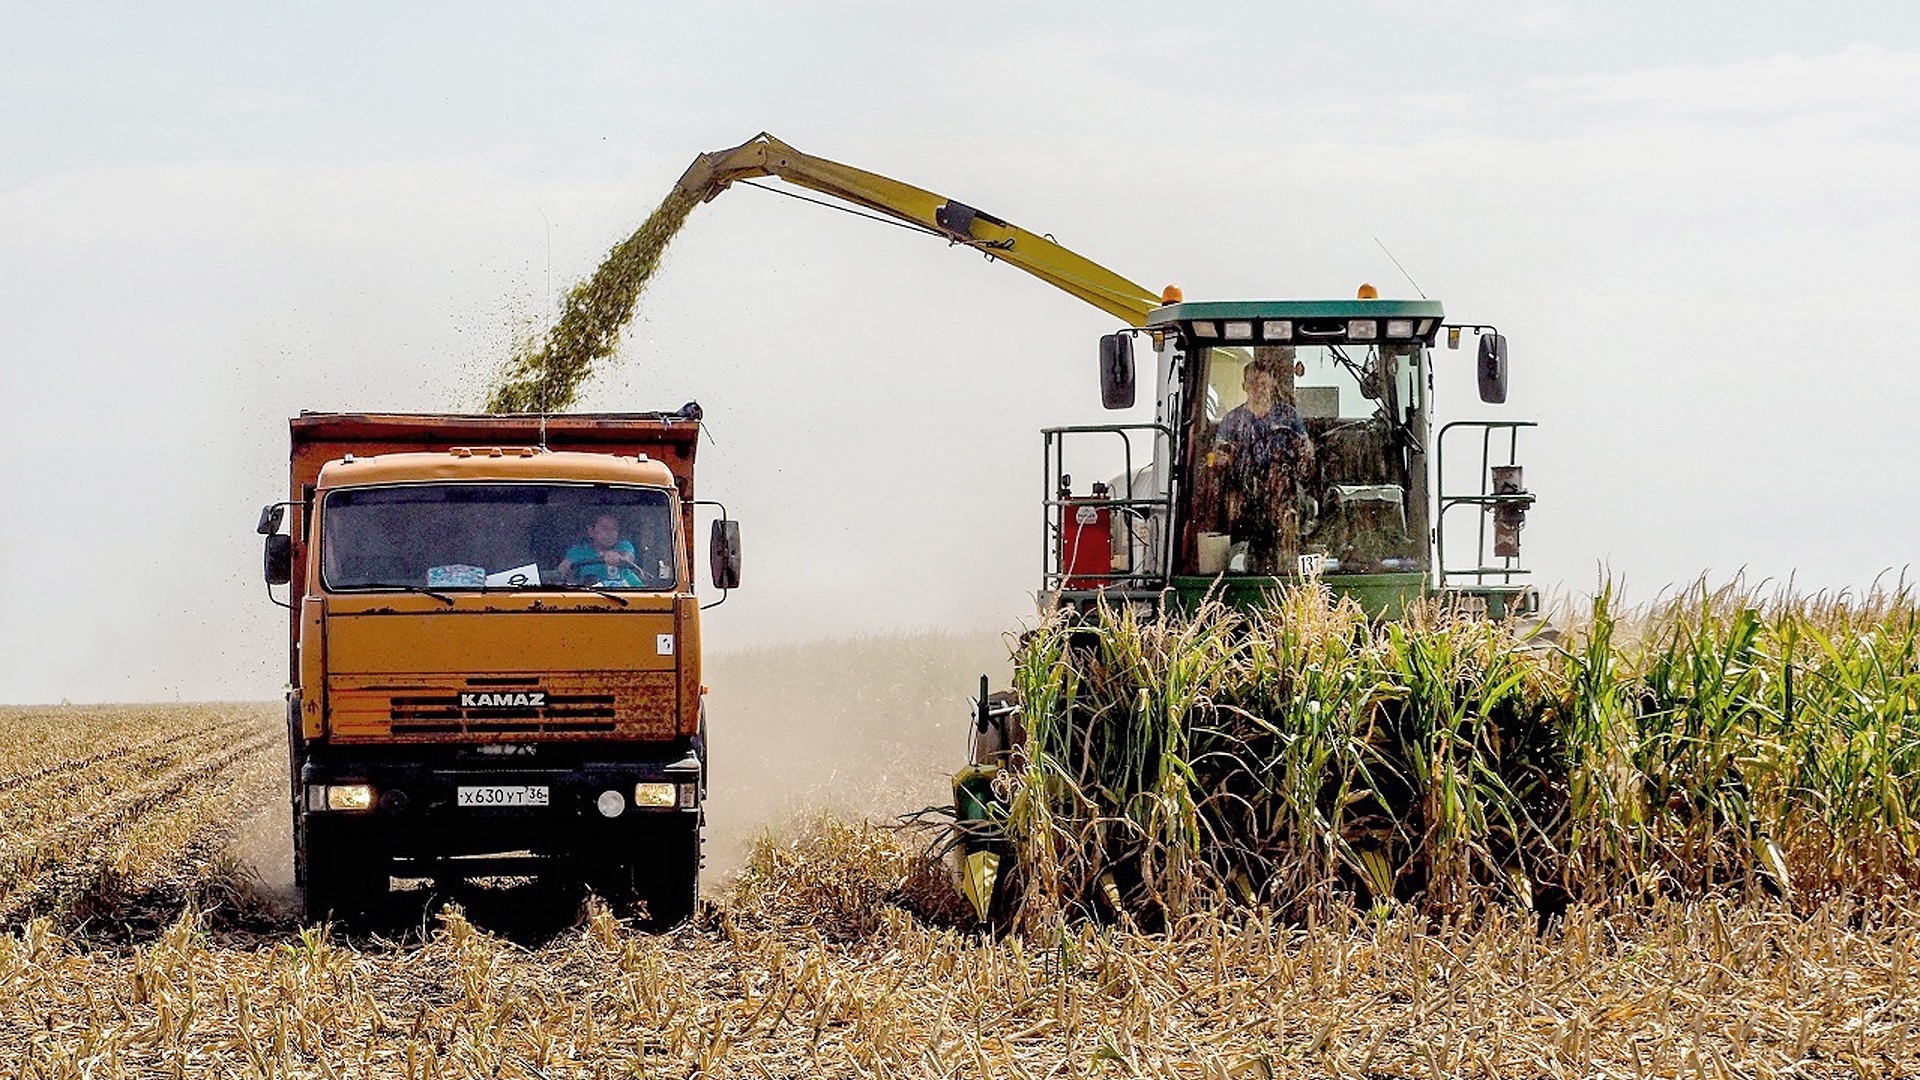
x: 1086, y: 543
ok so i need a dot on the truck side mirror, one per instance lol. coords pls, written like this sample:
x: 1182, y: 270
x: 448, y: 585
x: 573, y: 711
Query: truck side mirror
x: 1116, y: 371
x: 279, y: 560
x: 724, y: 554
x: 270, y: 516
x: 1493, y: 368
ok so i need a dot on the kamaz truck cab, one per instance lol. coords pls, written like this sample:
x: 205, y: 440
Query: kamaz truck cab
x: 1292, y: 440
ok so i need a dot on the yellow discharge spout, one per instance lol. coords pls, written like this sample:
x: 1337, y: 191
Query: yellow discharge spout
x: 764, y: 155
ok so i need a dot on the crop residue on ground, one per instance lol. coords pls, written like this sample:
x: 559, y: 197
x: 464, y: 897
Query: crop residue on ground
x: 124, y: 814
x: 817, y: 966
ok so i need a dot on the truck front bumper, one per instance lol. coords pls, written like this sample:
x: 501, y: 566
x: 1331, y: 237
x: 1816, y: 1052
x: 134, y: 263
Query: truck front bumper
x: 440, y: 810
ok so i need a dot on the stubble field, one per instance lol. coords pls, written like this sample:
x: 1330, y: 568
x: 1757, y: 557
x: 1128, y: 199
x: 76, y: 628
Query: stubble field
x: 145, y: 933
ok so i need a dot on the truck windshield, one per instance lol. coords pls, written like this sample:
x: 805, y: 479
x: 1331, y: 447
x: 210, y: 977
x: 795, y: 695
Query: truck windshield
x: 1302, y: 451
x: 498, y: 536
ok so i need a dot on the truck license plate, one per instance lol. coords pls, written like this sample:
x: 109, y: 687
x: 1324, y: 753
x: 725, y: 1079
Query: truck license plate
x: 504, y: 795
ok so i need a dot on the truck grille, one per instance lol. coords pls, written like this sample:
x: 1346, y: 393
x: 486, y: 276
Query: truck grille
x: 574, y: 705
x: 496, y: 705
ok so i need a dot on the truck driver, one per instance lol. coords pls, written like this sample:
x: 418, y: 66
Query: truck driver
x: 605, y: 559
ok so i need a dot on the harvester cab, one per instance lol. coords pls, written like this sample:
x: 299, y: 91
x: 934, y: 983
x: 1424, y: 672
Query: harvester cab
x: 1291, y: 441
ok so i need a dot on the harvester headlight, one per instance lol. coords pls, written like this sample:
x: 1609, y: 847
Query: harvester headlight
x: 1206, y: 328
x: 1362, y: 329
x: 1399, y: 328
x: 610, y: 804
x: 1240, y: 330
x: 349, y: 797
x: 654, y: 794
x: 1276, y: 330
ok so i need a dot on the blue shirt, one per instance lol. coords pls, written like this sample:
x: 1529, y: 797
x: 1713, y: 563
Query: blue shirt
x: 1261, y: 442
x: 589, y: 567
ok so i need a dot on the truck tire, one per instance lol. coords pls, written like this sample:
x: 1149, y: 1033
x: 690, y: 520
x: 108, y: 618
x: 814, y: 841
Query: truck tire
x: 612, y: 881
x: 660, y: 871
x: 668, y: 878
x: 341, y: 881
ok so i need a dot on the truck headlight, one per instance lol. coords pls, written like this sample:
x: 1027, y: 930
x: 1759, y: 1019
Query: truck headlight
x: 349, y: 796
x: 654, y: 794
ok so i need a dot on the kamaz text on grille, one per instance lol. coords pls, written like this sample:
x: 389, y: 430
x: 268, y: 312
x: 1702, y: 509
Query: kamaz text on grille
x: 536, y: 699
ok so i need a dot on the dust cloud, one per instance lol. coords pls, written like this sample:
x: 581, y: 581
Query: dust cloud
x: 263, y: 844
x: 868, y: 727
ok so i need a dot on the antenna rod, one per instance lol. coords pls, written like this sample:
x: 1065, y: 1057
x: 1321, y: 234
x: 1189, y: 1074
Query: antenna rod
x: 1403, y: 270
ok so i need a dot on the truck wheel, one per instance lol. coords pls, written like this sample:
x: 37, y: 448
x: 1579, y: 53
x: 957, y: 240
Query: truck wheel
x: 613, y: 882
x: 343, y: 881
x: 668, y: 877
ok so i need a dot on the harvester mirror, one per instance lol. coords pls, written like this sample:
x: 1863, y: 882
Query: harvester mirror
x: 1116, y: 371
x: 724, y: 554
x: 1493, y: 368
x: 279, y: 558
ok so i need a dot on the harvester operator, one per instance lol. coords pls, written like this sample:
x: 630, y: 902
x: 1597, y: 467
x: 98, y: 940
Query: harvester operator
x: 1264, y: 457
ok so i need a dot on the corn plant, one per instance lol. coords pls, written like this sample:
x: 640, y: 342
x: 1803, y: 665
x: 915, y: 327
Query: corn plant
x: 1716, y: 740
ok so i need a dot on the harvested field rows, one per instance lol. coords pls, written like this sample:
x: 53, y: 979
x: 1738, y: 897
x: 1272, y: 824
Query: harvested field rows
x: 139, y: 812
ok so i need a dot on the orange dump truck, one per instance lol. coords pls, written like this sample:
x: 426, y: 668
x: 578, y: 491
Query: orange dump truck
x: 494, y: 664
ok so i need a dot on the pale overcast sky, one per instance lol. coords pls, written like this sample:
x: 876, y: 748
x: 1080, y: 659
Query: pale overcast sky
x: 1695, y: 223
